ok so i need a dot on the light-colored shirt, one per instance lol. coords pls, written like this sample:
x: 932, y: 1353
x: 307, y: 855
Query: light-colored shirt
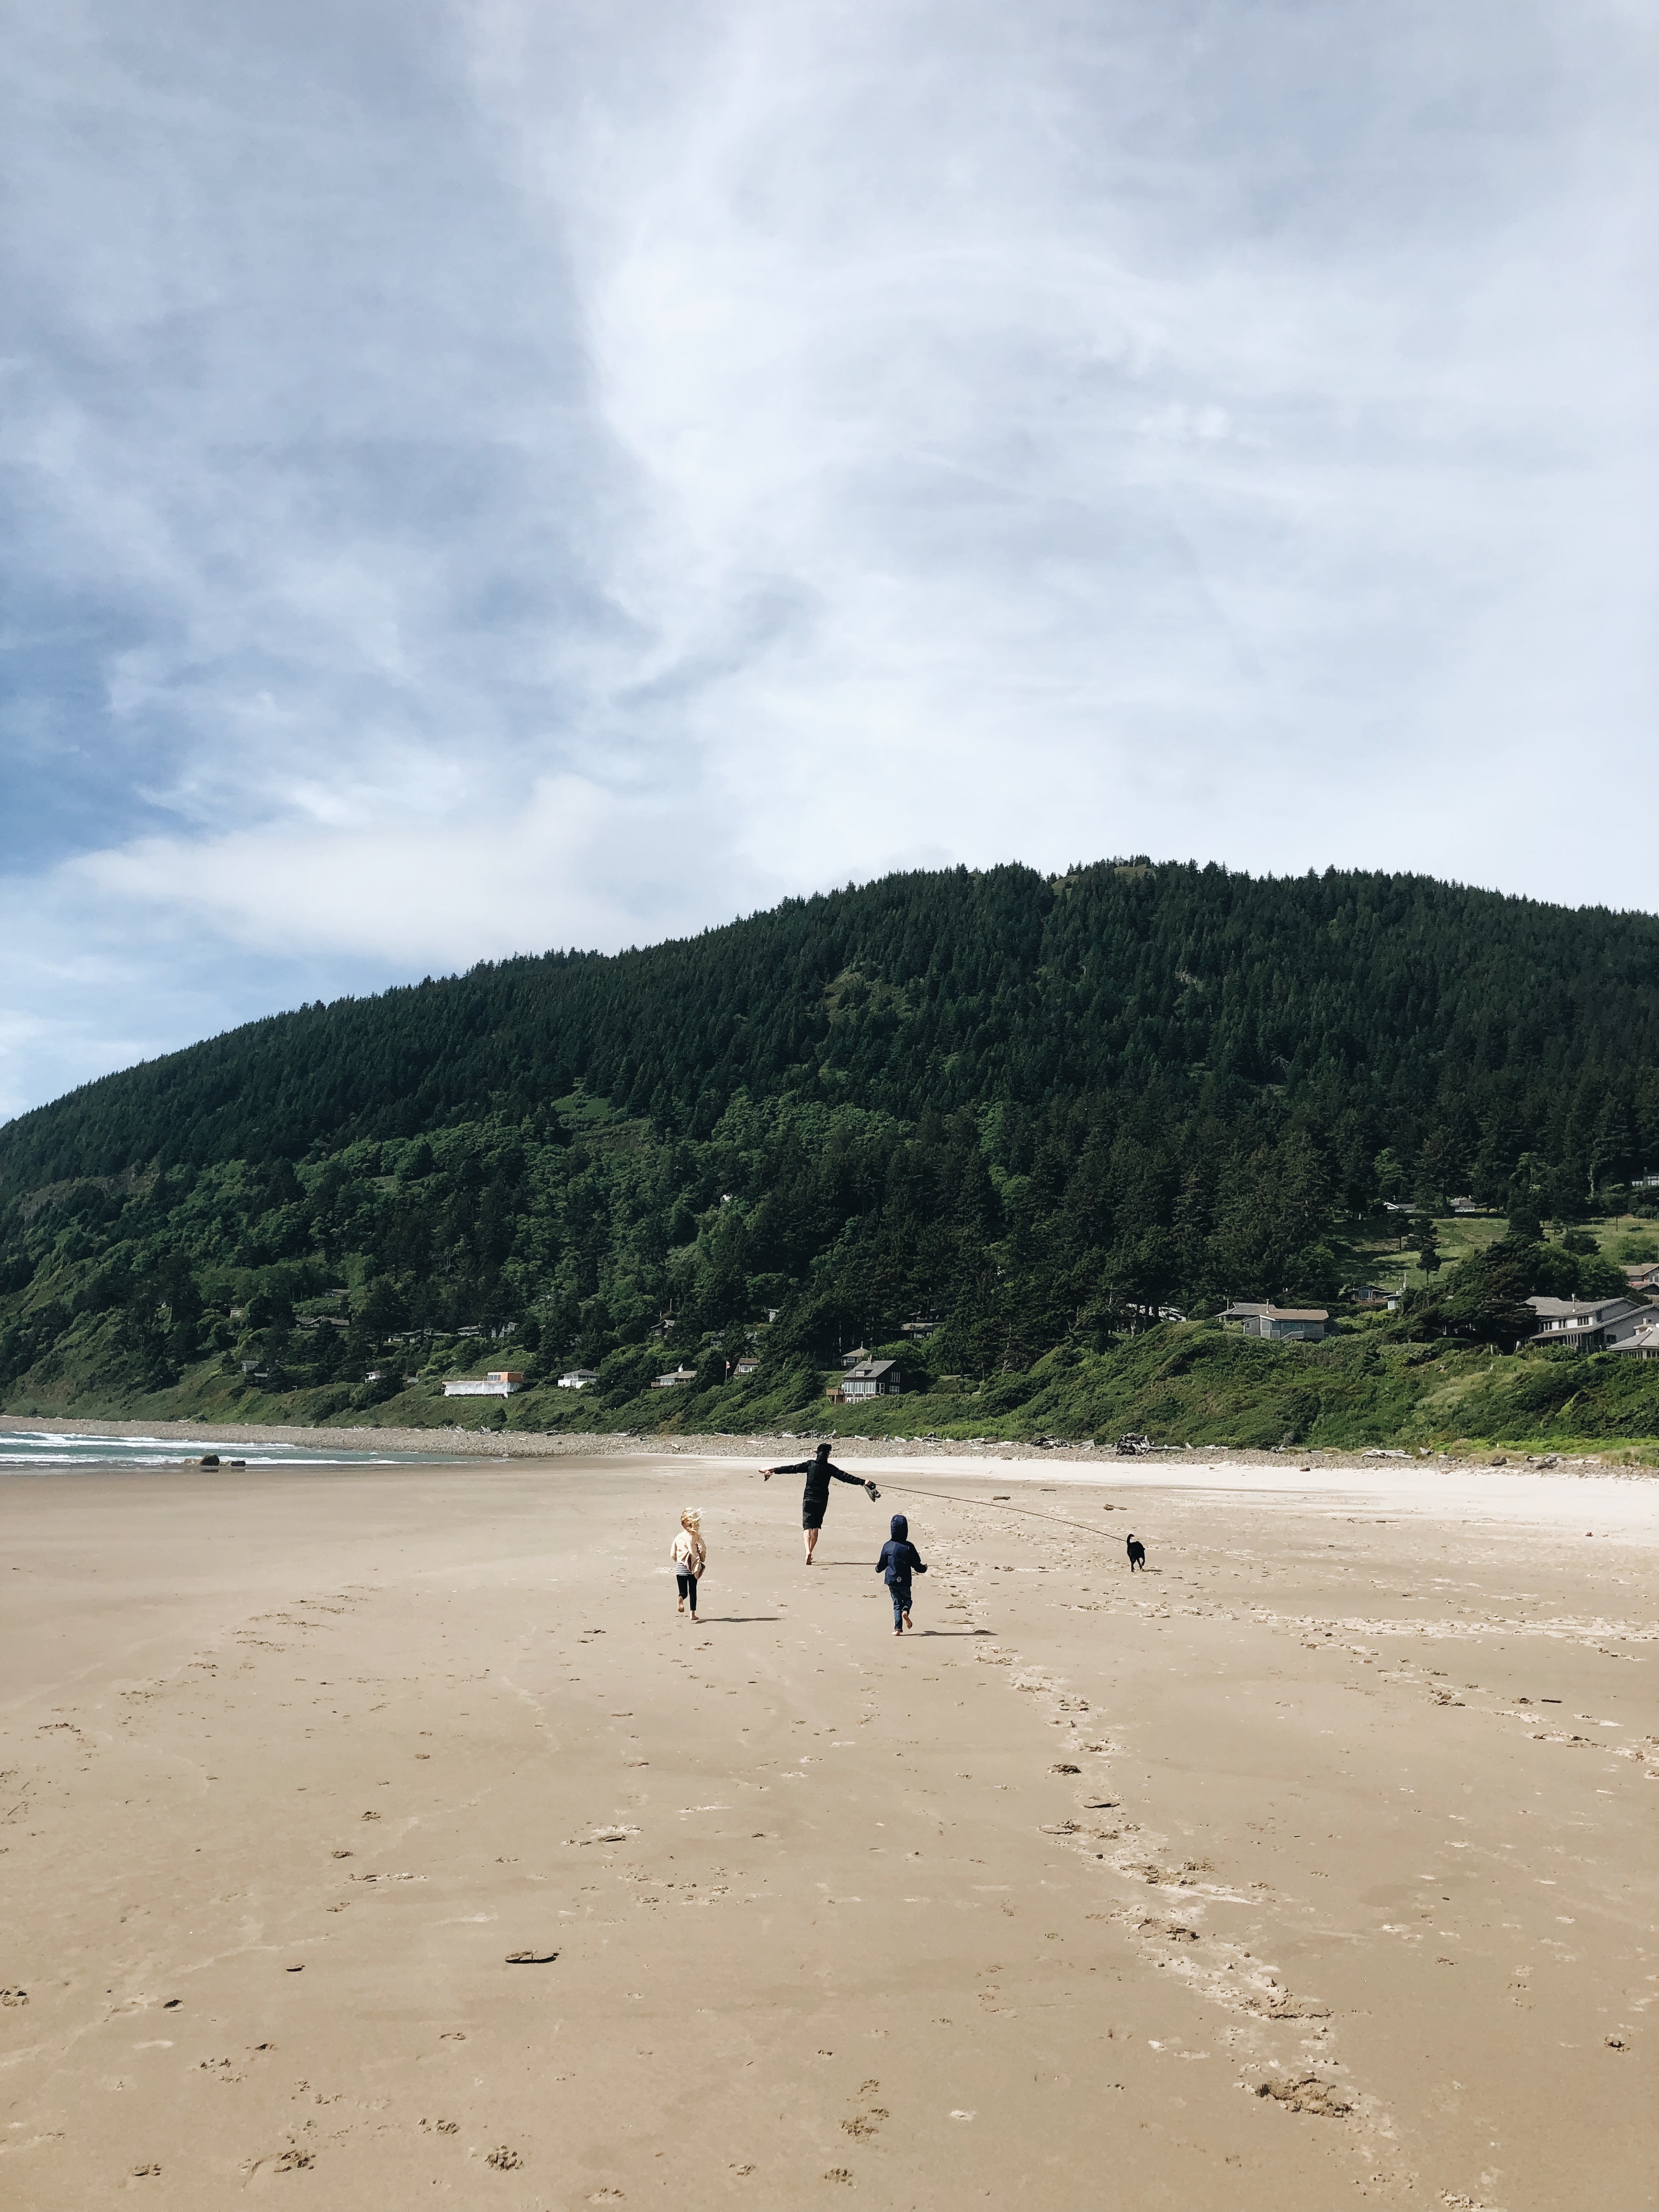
x: 690, y: 1553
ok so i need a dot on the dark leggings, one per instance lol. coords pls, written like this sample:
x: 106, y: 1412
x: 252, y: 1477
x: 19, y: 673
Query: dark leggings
x: 687, y: 1588
x: 900, y: 1593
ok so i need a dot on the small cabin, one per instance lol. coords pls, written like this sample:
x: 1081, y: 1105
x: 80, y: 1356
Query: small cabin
x: 1280, y: 1324
x: 579, y: 1378
x: 673, y: 1381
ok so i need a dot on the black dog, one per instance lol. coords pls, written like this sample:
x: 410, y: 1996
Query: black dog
x: 1137, y: 1555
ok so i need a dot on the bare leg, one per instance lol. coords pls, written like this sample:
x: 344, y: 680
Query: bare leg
x: 812, y: 1538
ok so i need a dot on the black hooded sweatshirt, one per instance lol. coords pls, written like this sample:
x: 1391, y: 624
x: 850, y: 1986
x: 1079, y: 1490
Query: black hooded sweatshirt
x: 900, y: 1559
x: 818, y: 1473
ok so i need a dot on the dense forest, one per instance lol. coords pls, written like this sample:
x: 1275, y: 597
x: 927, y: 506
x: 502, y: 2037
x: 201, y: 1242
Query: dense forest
x: 1029, y: 1117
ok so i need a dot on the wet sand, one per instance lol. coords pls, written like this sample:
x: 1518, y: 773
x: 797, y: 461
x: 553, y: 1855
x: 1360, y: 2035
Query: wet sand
x: 1314, y: 1866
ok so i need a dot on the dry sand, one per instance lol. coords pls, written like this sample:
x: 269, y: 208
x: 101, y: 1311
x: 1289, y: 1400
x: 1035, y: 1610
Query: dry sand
x: 1350, y: 1800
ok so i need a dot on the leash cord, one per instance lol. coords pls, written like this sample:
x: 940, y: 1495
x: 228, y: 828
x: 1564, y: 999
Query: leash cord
x: 997, y: 1505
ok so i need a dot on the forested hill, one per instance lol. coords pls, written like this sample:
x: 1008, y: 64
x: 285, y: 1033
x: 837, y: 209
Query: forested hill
x: 1032, y: 1107
x: 1406, y: 998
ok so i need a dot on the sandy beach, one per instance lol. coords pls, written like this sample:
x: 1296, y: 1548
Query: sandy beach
x: 1314, y: 1866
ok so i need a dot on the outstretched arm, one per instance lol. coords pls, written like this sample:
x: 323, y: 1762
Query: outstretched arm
x: 858, y: 1482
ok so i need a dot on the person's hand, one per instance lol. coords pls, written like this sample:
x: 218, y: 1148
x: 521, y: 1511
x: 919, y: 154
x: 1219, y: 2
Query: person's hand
x: 873, y: 1492
x: 767, y: 1472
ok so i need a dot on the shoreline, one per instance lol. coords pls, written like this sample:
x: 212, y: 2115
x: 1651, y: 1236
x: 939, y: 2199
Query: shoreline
x: 528, y: 1444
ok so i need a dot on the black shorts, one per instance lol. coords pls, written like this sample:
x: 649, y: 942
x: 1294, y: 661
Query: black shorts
x: 812, y: 1517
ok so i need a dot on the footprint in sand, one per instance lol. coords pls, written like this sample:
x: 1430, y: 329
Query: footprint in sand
x: 1308, y: 2093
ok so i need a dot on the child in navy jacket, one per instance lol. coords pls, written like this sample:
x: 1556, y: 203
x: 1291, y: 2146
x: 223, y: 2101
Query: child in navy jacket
x: 899, y: 1560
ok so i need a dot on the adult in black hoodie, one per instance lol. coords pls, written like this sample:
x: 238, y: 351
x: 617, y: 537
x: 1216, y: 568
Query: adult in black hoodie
x: 816, y: 1496
x: 899, y: 1560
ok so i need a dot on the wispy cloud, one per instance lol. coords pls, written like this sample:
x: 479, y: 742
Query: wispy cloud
x: 492, y: 475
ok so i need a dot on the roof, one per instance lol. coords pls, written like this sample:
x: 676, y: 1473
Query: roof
x: 869, y: 1370
x: 1279, y: 1313
x: 1581, y: 1309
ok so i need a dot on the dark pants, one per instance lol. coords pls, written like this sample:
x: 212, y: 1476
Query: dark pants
x: 687, y: 1588
x: 900, y: 1593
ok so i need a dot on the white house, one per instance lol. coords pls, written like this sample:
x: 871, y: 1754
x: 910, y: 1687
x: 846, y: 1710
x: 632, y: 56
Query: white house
x: 1587, y: 1324
x: 673, y: 1380
x: 579, y: 1378
x: 873, y: 1379
x: 500, y: 1382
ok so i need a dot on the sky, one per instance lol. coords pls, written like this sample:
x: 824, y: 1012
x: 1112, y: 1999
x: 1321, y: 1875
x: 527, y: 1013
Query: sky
x: 483, y: 475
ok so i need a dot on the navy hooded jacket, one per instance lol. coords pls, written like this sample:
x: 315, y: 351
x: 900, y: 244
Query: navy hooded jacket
x: 900, y: 1559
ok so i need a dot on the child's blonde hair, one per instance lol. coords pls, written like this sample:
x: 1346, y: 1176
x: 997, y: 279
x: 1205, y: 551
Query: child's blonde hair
x: 690, y: 1518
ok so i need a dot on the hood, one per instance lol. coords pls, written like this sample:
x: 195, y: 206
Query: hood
x: 901, y: 1527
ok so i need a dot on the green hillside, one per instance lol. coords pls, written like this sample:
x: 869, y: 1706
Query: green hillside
x: 1035, y: 1112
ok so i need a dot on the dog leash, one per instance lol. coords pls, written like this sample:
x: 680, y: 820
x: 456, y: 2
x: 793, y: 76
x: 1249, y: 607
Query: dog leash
x: 997, y: 1505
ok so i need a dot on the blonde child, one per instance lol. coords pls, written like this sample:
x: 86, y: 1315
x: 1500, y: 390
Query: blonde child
x: 691, y: 1558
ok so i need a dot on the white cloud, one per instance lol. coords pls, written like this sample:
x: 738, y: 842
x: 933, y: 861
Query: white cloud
x: 497, y: 475
x: 563, y: 863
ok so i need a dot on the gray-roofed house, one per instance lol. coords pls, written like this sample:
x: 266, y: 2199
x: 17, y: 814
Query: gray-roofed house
x: 1587, y: 1324
x: 1280, y: 1324
x: 872, y: 1378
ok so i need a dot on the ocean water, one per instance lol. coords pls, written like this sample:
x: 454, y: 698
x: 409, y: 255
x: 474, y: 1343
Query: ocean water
x: 34, y: 1451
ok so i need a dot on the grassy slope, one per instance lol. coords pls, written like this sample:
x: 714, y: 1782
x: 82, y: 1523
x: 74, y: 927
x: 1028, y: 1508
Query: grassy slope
x: 1191, y: 1383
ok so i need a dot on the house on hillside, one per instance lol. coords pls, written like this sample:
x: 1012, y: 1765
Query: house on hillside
x: 673, y: 1381
x: 855, y: 1359
x: 1643, y: 1342
x: 1645, y: 1277
x: 1587, y: 1324
x: 500, y: 1382
x: 872, y: 1378
x: 745, y: 1367
x: 578, y: 1378
x: 1371, y: 1296
x: 1280, y: 1324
